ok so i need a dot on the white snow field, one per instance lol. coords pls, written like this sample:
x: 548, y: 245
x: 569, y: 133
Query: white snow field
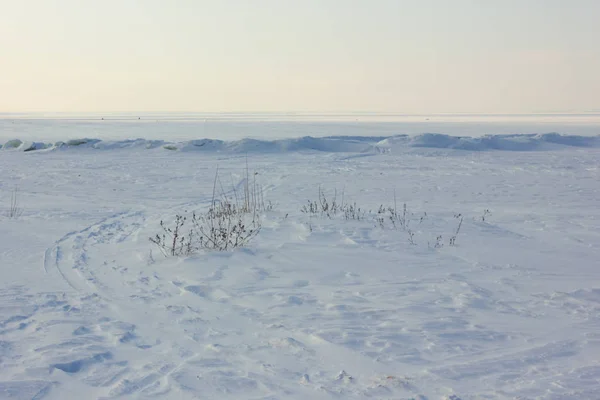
x: 313, y: 307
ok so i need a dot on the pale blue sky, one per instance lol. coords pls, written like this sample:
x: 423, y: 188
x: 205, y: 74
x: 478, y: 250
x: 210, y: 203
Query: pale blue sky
x: 409, y: 56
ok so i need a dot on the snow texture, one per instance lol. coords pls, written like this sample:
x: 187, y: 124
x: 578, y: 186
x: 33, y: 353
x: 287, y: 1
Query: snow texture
x: 314, y: 307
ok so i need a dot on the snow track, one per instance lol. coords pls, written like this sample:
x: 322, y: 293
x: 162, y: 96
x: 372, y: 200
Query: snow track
x: 201, y: 310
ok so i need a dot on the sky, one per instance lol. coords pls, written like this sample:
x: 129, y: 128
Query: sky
x: 401, y: 56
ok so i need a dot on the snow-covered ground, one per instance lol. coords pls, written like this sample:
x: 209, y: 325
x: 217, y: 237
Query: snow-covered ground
x: 313, y: 307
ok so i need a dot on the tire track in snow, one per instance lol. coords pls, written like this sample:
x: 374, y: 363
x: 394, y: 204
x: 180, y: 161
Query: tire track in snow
x: 71, y: 257
x: 74, y: 268
x: 47, y: 262
x: 84, y: 280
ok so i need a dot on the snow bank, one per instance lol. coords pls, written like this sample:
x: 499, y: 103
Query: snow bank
x: 109, y: 145
x: 491, y: 142
x: 331, y: 144
x: 19, y: 145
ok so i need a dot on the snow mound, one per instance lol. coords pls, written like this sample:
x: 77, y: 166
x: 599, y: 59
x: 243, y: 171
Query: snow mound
x: 128, y: 144
x: 12, y: 144
x: 330, y: 144
x: 491, y: 142
x: 307, y: 143
x: 18, y: 145
x: 102, y: 144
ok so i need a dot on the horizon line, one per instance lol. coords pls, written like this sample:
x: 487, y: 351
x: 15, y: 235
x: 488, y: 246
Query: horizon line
x: 309, y: 113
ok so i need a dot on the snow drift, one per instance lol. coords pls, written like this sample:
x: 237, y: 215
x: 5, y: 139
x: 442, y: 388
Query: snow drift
x: 491, y: 142
x: 331, y: 144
